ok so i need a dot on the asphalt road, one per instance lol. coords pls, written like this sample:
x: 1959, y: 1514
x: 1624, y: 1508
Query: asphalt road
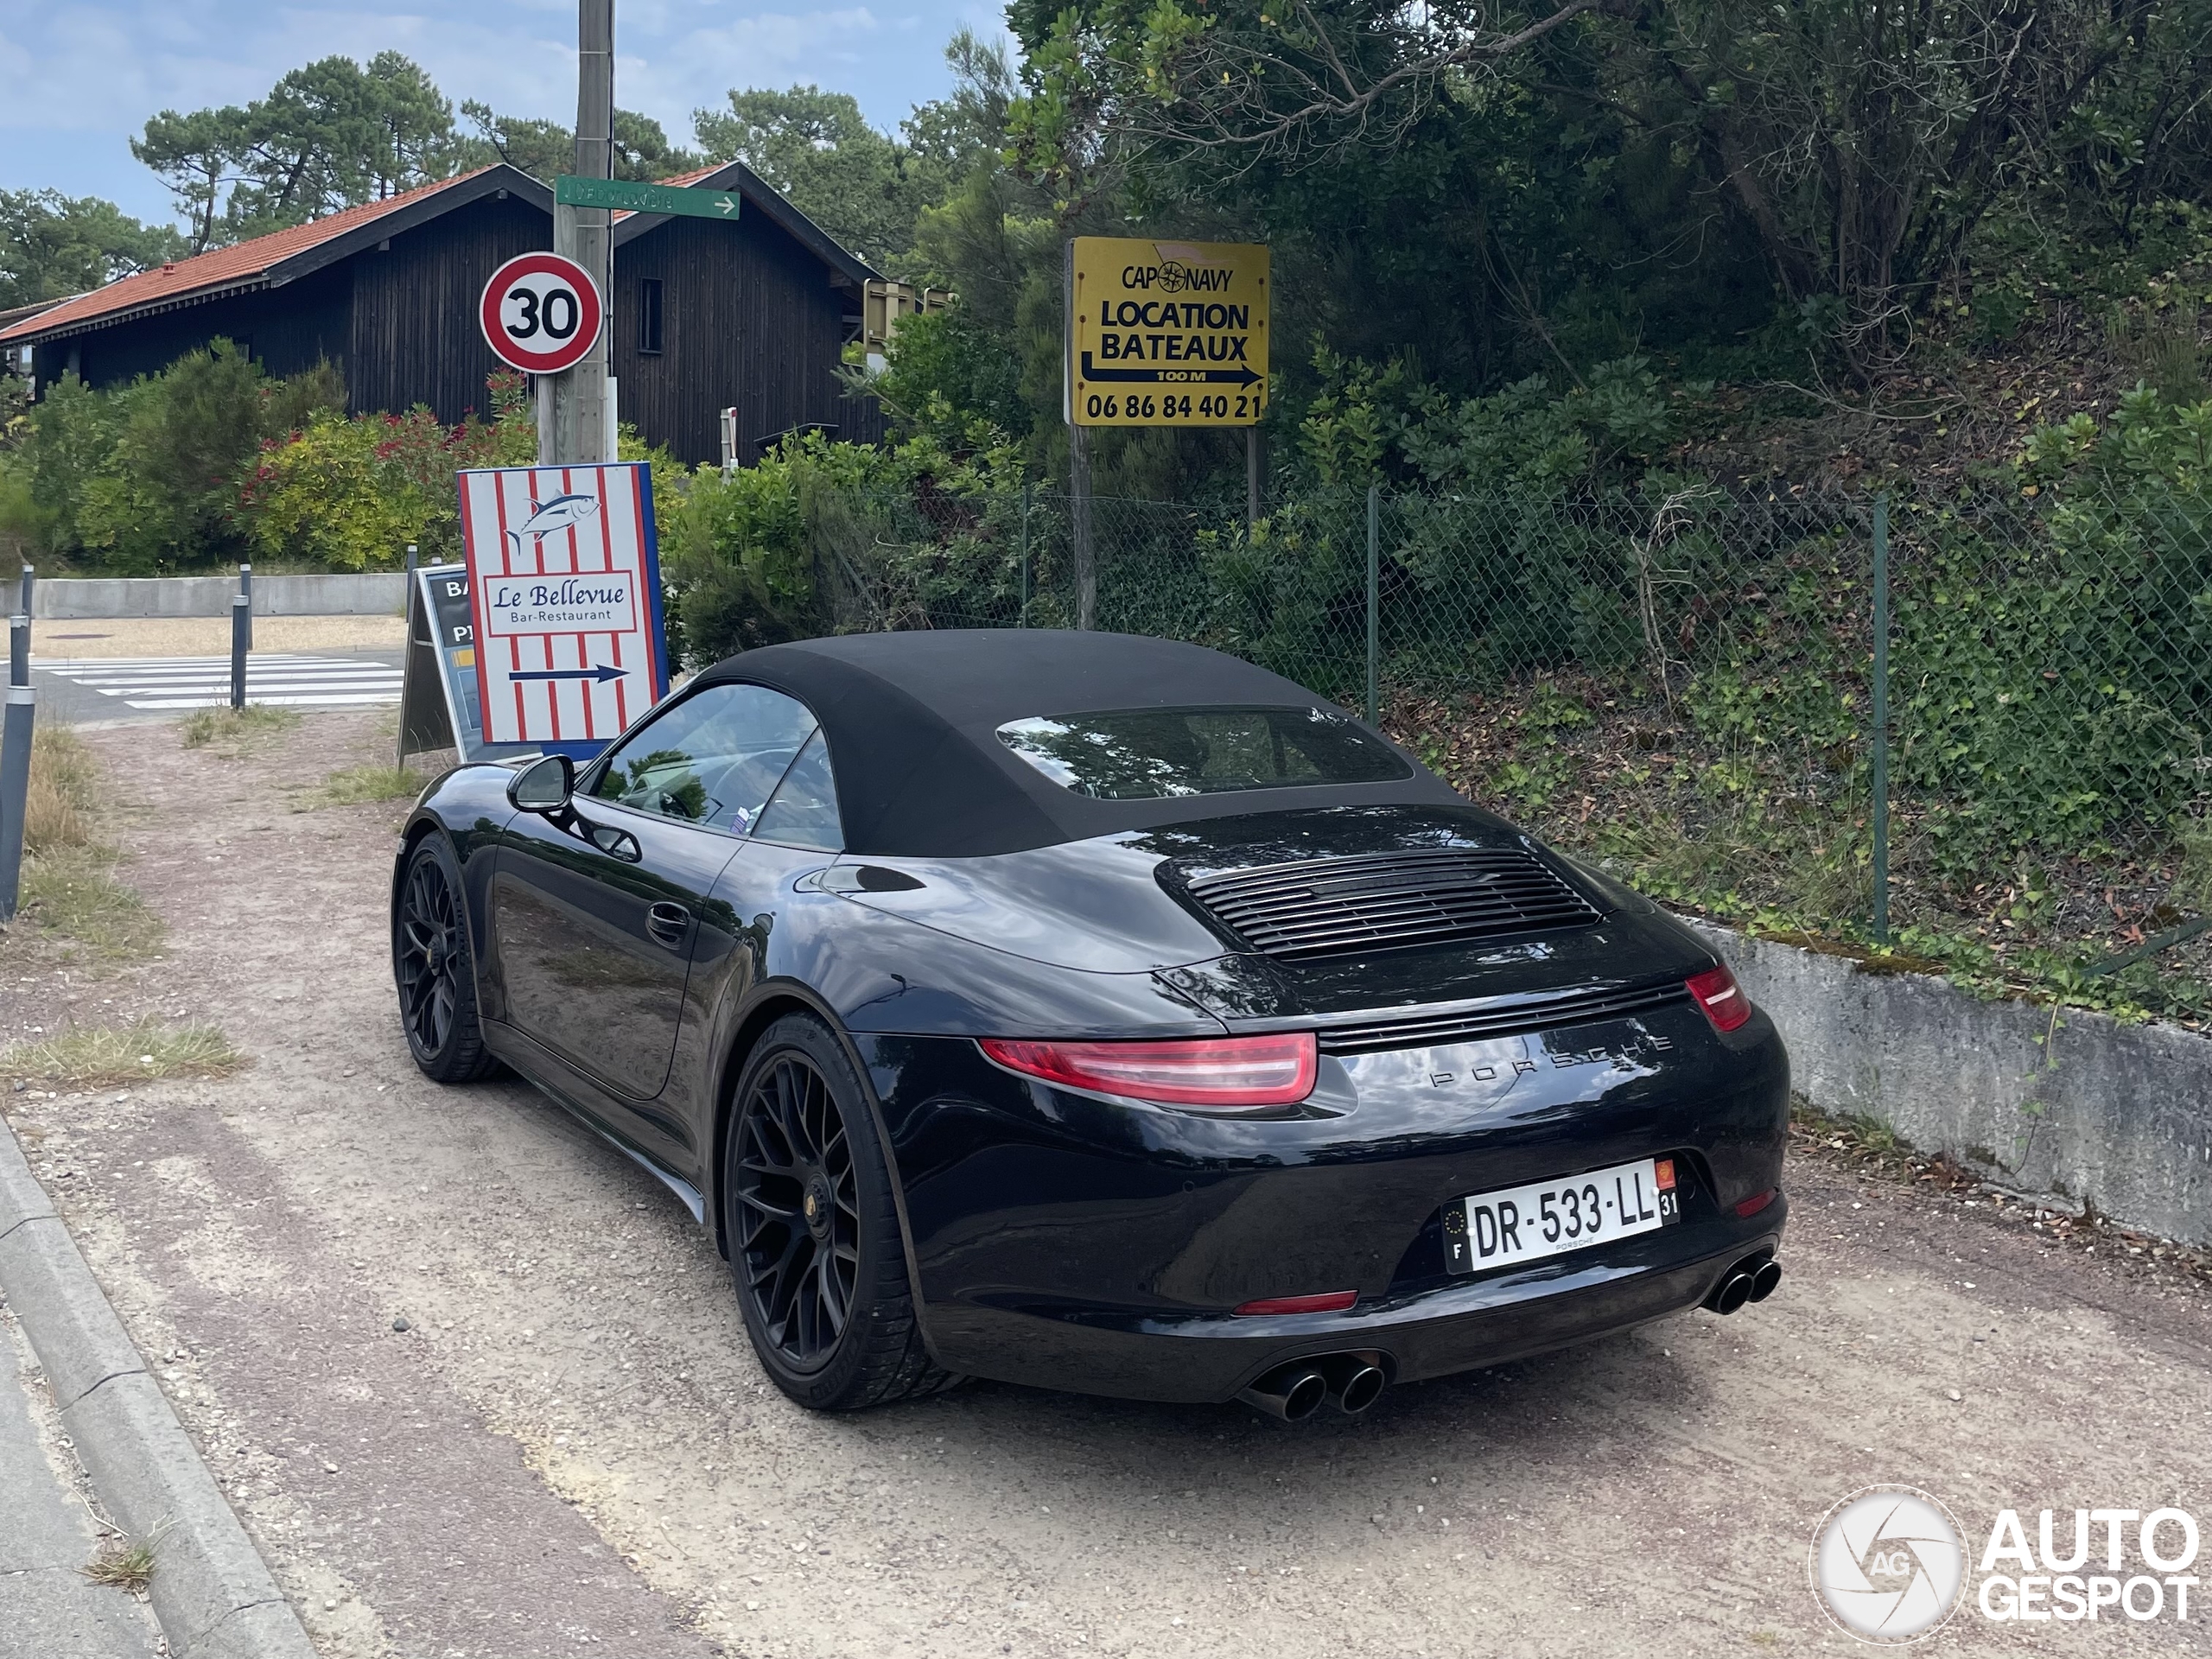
x: 80, y: 693
x: 569, y: 1448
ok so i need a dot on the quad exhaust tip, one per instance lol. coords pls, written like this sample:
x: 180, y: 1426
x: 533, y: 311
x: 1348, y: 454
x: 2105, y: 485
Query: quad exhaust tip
x: 1292, y: 1392
x: 1752, y: 1280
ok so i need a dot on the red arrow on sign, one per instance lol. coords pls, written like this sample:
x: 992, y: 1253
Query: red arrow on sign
x: 541, y: 312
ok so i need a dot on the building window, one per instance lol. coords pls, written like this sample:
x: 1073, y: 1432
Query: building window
x: 649, y: 316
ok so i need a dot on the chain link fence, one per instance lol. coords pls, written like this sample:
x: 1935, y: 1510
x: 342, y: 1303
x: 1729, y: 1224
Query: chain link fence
x: 1681, y: 681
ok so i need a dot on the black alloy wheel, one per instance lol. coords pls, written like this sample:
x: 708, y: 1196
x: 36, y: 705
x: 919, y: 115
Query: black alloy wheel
x: 813, y: 1232
x: 435, y: 969
x: 801, y: 1234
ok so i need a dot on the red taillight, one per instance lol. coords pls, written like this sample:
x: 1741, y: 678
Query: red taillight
x: 1334, y: 1301
x: 1275, y: 1069
x: 1721, y: 998
x: 1756, y: 1203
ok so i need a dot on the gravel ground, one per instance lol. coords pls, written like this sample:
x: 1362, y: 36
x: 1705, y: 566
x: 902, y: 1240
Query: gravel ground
x: 62, y: 639
x: 569, y: 1447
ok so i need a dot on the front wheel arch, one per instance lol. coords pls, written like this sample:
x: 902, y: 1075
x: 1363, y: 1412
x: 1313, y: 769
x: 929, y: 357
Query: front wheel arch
x: 411, y: 837
x: 770, y: 1002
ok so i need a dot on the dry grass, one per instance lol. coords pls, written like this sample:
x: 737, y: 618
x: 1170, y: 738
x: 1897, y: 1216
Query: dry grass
x: 69, y: 888
x: 59, y: 812
x: 357, y: 784
x: 73, y: 892
x: 106, y: 1054
x: 233, y: 729
x: 123, y: 1564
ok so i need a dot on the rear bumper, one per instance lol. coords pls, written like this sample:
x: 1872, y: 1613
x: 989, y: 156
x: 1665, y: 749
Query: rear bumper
x: 1480, y: 1321
x: 1065, y: 1241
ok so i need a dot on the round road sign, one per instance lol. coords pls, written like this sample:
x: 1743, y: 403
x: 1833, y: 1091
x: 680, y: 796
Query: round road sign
x: 541, y: 312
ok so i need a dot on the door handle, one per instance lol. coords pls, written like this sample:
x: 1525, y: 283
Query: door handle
x: 615, y: 843
x: 670, y: 925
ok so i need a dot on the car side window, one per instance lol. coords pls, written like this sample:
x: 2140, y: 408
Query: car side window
x: 714, y: 759
x: 804, y: 811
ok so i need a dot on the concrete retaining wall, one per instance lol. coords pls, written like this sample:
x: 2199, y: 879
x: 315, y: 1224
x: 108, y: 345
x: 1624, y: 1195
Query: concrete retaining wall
x: 380, y: 593
x: 2081, y: 1111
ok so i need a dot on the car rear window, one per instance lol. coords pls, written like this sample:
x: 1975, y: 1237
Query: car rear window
x: 1135, y: 755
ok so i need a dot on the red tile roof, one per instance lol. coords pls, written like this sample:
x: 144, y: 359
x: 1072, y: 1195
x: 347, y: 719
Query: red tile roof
x: 237, y: 264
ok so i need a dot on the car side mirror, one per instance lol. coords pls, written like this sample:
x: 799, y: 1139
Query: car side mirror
x: 544, y: 787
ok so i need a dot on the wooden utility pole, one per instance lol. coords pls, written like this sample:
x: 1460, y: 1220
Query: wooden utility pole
x: 579, y: 399
x: 1079, y: 527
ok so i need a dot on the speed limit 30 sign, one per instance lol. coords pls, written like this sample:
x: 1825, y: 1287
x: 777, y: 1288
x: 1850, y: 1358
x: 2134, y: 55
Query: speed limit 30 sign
x: 541, y: 313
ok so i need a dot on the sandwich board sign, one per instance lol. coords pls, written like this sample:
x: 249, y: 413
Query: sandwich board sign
x: 564, y: 602
x: 439, y: 706
x: 1166, y: 332
x: 433, y: 713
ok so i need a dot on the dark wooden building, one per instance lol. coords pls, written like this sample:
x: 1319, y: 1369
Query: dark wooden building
x: 706, y: 315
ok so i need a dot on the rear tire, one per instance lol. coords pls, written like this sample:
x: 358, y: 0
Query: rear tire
x: 434, y: 968
x: 820, y: 1268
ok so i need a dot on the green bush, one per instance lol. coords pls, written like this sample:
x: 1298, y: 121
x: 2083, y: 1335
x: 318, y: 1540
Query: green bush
x: 820, y: 537
x: 144, y: 479
x: 351, y: 493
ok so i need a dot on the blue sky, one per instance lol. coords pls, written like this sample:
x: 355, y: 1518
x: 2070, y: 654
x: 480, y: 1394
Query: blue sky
x: 77, y: 78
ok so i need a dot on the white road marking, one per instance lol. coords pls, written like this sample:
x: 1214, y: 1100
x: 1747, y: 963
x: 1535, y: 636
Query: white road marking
x: 273, y: 680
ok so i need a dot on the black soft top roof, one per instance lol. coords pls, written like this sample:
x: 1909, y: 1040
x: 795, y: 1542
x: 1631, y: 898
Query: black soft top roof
x: 912, y: 721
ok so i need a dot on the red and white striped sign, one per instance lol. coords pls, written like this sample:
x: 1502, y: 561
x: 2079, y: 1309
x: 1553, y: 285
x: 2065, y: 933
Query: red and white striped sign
x: 564, y: 584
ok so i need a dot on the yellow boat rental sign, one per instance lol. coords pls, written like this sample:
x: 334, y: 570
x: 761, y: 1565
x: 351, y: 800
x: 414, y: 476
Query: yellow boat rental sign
x: 1166, y: 333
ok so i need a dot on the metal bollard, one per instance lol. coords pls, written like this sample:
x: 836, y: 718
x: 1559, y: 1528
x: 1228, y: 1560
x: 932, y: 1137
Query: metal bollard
x: 245, y: 592
x: 241, y: 642
x: 16, y: 763
x: 30, y: 581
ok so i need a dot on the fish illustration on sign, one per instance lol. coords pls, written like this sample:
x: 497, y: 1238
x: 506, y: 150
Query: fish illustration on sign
x: 548, y: 517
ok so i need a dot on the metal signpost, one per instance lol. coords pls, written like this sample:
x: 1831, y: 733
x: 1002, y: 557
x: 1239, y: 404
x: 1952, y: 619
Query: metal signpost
x: 1160, y: 334
x: 575, y: 398
x: 20, y: 710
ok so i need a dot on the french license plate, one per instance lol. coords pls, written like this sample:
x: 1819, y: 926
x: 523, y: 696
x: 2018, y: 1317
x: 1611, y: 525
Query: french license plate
x: 1527, y: 1223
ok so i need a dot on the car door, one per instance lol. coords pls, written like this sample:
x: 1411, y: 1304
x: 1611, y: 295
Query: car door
x: 598, y: 914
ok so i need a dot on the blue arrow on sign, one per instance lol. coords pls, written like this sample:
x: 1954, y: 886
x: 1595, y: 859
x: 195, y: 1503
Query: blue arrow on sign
x: 603, y: 673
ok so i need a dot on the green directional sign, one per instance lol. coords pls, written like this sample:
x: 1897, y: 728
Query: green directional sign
x: 621, y: 196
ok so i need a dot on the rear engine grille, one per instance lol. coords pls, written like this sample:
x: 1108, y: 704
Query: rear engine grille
x: 1419, y: 1031
x: 1391, y: 901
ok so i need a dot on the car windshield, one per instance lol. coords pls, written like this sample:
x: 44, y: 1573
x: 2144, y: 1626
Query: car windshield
x: 1136, y: 754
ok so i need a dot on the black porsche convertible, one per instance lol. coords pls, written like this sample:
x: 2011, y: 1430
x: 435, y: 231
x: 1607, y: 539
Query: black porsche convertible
x: 1098, y: 1012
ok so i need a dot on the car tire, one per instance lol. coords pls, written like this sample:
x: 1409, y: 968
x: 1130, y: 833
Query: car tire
x: 814, y: 1243
x: 434, y: 968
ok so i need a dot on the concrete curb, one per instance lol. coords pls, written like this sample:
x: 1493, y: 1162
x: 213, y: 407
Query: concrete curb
x: 211, y: 1590
x: 2068, y: 1106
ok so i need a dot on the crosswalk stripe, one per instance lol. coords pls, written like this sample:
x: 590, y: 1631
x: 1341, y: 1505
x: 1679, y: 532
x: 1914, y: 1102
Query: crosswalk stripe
x: 278, y: 680
x: 189, y: 681
x: 76, y: 667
